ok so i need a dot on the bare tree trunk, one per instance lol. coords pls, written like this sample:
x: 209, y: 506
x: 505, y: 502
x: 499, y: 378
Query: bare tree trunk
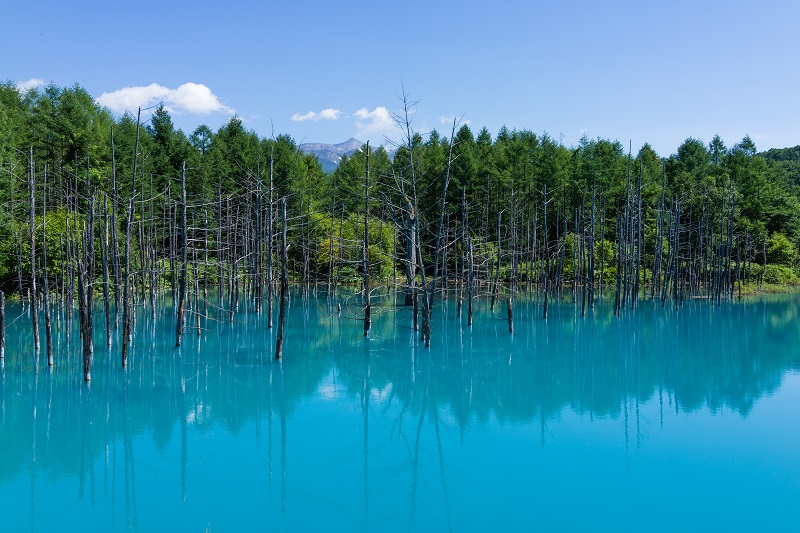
x: 284, y: 283
x: 470, y: 279
x: 85, y: 296
x: 33, y: 301
x: 104, y: 253
x: 259, y: 289
x: 461, y: 259
x: 18, y: 254
x: 639, y: 239
x: 496, y: 284
x: 591, y: 251
x: 184, y: 245
x: 86, y: 332
x: 365, y: 251
x: 428, y: 303
x: 90, y: 272
x: 270, y: 284
x: 410, y: 234
x: 196, y: 309
x: 620, y: 265
x: 219, y: 244
x: 2, y: 325
x: 114, y: 241
x: 126, y: 296
x: 330, y: 251
x: 46, y: 293
x: 546, y: 250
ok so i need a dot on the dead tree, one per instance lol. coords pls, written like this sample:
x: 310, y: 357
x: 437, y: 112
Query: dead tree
x: 431, y: 292
x: 284, y: 283
x: 546, y: 249
x: 33, y: 299
x: 365, y: 251
x: 86, y: 335
x: 2, y: 325
x: 470, y: 279
x: 496, y: 283
x: 85, y: 296
x: 184, y: 244
x: 126, y: 297
x: 270, y: 230
x: 45, y: 291
x: 104, y: 253
x: 115, y: 267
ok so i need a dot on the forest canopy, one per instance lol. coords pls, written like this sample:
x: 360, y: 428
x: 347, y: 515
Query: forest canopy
x: 496, y: 183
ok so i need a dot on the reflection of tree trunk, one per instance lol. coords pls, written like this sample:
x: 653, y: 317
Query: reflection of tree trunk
x: 435, y: 415
x: 284, y: 284
x: 269, y: 432
x: 184, y: 431
x: 365, y: 388
x: 33, y: 450
x: 415, y: 465
x: 282, y: 407
x: 130, y: 470
x: 87, y: 451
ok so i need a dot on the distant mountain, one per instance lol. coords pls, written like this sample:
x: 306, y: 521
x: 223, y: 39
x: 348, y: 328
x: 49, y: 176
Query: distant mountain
x: 330, y: 155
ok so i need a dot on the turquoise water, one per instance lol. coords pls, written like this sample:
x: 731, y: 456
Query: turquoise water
x: 653, y: 421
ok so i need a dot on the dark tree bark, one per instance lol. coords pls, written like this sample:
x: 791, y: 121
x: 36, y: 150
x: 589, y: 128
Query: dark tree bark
x: 365, y: 251
x: 184, y: 248
x: 284, y: 284
x: 126, y: 297
x: 33, y: 298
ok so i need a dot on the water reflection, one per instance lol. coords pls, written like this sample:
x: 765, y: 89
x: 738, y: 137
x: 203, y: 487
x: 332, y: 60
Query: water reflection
x: 184, y: 403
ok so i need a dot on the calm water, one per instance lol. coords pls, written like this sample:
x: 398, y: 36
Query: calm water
x: 654, y: 421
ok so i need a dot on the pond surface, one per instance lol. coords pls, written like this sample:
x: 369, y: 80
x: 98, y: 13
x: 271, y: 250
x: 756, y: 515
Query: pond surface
x: 658, y: 420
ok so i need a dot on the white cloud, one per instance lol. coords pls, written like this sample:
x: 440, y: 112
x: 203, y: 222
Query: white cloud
x: 25, y: 86
x: 376, y: 124
x: 190, y: 98
x: 449, y: 121
x: 325, y: 114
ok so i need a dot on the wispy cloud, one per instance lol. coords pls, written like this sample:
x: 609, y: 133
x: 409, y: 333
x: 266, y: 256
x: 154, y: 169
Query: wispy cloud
x: 449, y: 120
x: 190, y: 97
x: 376, y: 124
x: 325, y: 114
x: 25, y: 86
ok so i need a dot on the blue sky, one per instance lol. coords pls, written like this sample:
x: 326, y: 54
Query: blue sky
x: 655, y: 72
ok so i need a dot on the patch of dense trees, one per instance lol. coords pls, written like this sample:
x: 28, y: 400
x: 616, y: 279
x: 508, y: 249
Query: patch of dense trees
x: 133, y: 209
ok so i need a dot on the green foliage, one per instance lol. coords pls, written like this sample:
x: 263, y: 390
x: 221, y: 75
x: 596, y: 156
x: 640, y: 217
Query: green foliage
x: 781, y: 251
x: 344, y: 238
x: 15, y: 242
x: 775, y: 274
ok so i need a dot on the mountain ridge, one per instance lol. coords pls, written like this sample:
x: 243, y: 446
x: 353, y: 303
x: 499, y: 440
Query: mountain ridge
x: 330, y: 155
